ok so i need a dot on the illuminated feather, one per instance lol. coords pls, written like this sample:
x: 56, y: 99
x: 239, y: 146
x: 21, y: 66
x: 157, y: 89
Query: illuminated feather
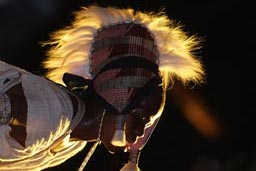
x: 71, y: 46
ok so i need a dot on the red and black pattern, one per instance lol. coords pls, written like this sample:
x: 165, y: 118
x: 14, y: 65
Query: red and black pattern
x: 124, y: 59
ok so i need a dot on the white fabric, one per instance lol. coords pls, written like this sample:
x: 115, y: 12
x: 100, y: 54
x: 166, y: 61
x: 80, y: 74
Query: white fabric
x: 49, y: 124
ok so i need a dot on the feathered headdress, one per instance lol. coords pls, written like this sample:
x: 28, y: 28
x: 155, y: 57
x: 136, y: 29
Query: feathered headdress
x: 101, y: 35
x: 72, y: 46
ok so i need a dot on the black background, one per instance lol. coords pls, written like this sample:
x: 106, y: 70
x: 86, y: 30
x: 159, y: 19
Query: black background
x: 176, y: 145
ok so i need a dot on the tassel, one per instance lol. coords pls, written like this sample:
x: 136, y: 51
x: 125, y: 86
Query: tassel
x: 119, y: 138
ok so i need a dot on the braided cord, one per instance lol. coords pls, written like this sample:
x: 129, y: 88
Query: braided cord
x: 93, y: 148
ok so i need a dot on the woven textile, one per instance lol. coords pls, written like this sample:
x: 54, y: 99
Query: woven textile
x: 119, y: 41
x: 119, y: 85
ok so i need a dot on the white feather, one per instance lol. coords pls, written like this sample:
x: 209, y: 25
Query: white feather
x: 71, y: 46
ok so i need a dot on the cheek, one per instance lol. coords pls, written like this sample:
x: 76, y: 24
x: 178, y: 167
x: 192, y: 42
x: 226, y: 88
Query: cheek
x: 129, y: 127
x: 139, y: 130
x: 133, y: 128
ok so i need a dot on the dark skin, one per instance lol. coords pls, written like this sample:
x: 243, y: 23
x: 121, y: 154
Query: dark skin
x: 135, y: 121
x: 88, y: 128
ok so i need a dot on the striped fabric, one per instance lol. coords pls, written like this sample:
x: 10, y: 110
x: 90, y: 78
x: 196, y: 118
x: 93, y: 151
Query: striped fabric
x: 49, y: 123
x: 122, y: 40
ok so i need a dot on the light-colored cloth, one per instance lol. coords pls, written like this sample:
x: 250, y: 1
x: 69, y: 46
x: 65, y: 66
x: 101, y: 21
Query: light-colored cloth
x: 49, y: 124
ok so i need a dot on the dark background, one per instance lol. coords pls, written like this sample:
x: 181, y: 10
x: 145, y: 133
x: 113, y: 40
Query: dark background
x: 176, y: 144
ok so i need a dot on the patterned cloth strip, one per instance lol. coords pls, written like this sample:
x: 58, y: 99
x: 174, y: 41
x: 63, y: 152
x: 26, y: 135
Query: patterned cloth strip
x: 121, y: 82
x: 119, y: 87
x: 133, y: 40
